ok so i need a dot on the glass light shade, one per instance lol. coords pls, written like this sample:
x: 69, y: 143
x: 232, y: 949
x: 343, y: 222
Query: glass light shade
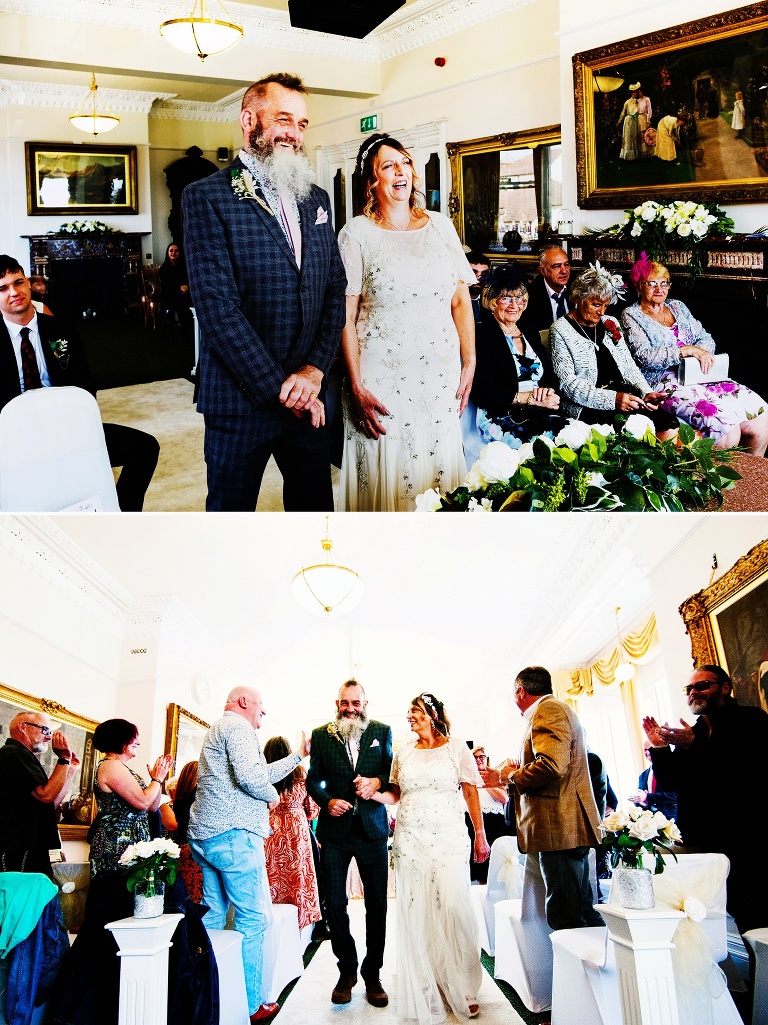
x: 201, y: 34
x: 327, y: 589
x: 90, y: 119
x: 607, y: 82
x: 624, y: 671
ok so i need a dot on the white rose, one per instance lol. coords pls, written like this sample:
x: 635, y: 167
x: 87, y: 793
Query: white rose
x: 649, y: 214
x: 660, y: 821
x: 474, y: 479
x: 684, y: 230
x: 546, y: 440
x: 695, y: 909
x: 666, y: 212
x: 701, y: 211
x: 485, y: 505
x: 605, y: 429
x: 636, y: 229
x: 690, y: 207
x: 574, y: 434
x: 698, y: 228
x: 638, y: 211
x: 643, y: 829
x: 672, y: 832
x: 615, y: 822
x: 128, y: 856
x: 525, y: 452
x: 144, y: 849
x: 638, y: 426
x: 710, y: 218
x: 428, y: 502
x: 498, y: 462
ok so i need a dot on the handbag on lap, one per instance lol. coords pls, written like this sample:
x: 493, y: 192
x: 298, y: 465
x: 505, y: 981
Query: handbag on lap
x: 691, y: 373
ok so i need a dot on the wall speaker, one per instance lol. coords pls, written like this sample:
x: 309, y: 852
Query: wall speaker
x: 222, y: 155
x: 355, y: 18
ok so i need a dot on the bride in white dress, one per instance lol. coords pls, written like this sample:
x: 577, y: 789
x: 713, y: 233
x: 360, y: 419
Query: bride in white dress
x: 408, y: 341
x: 435, y: 778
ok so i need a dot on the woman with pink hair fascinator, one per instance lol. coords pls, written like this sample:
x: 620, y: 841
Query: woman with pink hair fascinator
x: 640, y: 269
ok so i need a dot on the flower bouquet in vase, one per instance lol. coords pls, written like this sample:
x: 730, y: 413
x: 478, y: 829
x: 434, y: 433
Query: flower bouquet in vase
x: 149, y: 865
x: 630, y: 838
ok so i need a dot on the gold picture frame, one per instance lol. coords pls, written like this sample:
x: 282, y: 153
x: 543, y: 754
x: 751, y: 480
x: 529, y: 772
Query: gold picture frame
x: 63, y: 179
x: 467, y: 188
x: 184, y: 736
x: 77, y: 813
x: 692, y: 70
x: 728, y: 625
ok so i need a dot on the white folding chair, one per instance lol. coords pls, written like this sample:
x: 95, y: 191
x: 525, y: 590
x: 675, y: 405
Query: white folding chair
x: 282, y: 958
x: 505, y: 882
x: 522, y: 944
x: 52, y: 453
x: 758, y: 941
x: 586, y: 979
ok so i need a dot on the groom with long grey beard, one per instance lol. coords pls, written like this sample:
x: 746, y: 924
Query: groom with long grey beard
x: 350, y: 760
x: 268, y: 286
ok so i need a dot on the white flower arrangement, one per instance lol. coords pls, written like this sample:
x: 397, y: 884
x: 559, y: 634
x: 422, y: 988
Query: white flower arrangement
x: 629, y: 836
x: 83, y: 228
x: 148, y: 863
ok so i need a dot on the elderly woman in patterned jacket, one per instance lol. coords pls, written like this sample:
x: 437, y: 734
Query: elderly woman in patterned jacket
x: 598, y: 377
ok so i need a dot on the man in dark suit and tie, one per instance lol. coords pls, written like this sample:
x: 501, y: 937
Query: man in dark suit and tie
x: 268, y: 287
x: 350, y: 760
x: 40, y: 351
x: 648, y: 795
x: 547, y: 293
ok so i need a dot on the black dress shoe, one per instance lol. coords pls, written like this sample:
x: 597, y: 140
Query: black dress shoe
x: 374, y: 993
x: 342, y: 991
x: 320, y: 933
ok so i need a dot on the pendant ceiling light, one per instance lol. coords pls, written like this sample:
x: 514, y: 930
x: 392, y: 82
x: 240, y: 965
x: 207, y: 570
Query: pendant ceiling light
x: 607, y: 81
x: 624, y: 670
x: 198, y: 31
x: 327, y: 588
x: 89, y: 118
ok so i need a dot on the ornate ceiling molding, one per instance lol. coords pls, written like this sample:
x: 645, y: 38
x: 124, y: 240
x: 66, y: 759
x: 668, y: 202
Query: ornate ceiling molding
x: 44, y: 94
x: 416, y: 25
x: 192, y: 110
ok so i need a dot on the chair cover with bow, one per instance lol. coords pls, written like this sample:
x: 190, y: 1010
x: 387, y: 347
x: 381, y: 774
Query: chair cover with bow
x: 505, y: 882
x: 522, y: 945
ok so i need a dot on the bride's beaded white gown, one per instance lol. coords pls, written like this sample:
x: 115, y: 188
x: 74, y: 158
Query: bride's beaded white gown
x: 409, y: 359
x: 438, y: 961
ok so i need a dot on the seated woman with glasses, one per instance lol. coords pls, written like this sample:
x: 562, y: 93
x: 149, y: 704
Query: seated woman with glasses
x: 598, y: 377
x: 661, y: 332
x: 514, y: 385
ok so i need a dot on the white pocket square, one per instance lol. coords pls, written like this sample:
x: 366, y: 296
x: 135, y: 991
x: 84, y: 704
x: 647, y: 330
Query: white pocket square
x: 322, y: 216
x: 374, y: 743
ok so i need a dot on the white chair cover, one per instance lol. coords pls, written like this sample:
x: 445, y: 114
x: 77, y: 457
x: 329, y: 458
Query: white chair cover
x: 52, y: 452
x: 585, y: 986
x: 505, y: 882
x: 282, y: 957
x: 758, y: 941
x: 233, y: 1000
x: 522, y: 943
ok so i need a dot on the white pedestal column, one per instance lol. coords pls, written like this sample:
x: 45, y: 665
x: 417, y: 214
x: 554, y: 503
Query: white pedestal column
x: 144, y: 944
x: 643, y: 942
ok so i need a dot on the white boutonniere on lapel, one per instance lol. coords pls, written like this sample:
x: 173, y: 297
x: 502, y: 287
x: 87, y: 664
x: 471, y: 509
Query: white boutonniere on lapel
x: 244, y: 188
x: 374, y: 743
x: 60, y: 349
x: 322, y: 216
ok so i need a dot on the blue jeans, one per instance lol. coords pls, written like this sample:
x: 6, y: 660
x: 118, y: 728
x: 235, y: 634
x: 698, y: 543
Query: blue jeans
x: 234, y: 872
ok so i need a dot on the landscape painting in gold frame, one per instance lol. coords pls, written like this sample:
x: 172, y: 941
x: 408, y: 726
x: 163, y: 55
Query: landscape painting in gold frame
x: 688, y: 146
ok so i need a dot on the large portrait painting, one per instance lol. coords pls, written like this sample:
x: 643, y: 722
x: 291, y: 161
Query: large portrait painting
x: 677, y: 114
x: 728, y: 626
x: 88, y: 179
x: 77, y: 811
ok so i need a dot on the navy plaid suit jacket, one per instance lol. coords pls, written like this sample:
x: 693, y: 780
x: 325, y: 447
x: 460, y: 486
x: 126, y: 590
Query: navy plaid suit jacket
x: 261, y: 317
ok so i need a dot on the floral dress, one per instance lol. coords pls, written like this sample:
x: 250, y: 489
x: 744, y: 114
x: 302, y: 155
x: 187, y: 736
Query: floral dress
x: 288, y: 853
x: 409, y: 359
x: 712, y: 409
x: 118, y: 826
x: 438, y: 964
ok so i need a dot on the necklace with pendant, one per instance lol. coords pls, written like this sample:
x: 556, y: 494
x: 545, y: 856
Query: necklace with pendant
x: 394, y: 226
x: 584, y: 332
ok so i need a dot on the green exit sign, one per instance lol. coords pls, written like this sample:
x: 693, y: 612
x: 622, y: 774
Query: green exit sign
x: 370, y: 123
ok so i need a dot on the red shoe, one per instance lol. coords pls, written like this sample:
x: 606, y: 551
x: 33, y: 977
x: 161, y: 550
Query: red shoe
x: 264, y: 1013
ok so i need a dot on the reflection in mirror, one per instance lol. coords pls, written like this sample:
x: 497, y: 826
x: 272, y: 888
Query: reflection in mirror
x: 184, y: 736
x: 506, y: 189
x: 432, y: 182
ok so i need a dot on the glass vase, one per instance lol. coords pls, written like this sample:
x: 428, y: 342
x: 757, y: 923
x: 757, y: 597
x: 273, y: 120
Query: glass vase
x: 149, y: 898
x: 634, y: 888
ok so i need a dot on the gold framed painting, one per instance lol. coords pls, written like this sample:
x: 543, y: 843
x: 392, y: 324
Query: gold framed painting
x: 681, y: 113
x: 87, y: 179
x: 728, y: 625
x: 184, y: 736
x: 78, y: 811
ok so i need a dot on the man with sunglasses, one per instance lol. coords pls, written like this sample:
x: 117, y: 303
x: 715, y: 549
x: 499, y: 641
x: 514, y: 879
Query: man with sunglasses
x: 718, y: 768
x: 28, y: 829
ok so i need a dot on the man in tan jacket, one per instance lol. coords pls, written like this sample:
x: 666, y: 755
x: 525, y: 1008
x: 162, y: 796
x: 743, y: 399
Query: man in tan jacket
x: 557, y: 818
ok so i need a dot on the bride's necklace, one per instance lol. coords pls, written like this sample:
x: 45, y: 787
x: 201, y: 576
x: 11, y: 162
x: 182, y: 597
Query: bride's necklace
x: 395, y: 227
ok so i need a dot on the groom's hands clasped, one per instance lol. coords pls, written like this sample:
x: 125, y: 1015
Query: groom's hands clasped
x: 366, y: 786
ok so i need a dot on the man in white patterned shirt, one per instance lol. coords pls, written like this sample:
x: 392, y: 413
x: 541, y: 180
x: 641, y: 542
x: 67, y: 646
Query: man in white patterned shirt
x: 227, y: 825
